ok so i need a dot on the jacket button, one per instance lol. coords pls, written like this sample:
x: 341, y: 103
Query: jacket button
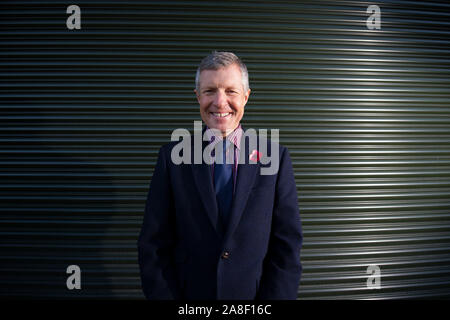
x: 225, y: 255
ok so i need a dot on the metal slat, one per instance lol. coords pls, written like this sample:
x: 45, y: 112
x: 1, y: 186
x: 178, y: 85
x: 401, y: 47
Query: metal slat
x: 364, y: 113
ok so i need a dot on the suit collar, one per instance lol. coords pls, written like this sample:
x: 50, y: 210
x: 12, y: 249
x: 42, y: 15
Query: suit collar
x: 234, y: 137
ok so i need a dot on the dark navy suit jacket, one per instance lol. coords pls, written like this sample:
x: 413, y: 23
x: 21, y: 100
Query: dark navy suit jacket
x: 186, y: 252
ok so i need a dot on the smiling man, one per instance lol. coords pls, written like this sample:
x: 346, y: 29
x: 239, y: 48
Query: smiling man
x: 222, y: 93
x: 221, y: 230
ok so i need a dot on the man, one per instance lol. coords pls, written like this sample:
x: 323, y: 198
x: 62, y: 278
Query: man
x: 221, y: 230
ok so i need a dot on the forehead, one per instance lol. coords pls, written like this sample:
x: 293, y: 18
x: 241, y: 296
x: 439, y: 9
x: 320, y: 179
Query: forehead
x: 229, y: 76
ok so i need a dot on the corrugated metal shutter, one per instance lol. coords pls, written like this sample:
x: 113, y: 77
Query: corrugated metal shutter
x: 365, y: 114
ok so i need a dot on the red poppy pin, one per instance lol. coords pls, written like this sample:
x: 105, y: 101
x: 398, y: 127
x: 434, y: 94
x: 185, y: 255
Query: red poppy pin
x: 255, y: 156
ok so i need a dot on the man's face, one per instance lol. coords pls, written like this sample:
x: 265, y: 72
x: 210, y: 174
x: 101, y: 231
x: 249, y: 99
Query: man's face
x: 222, y: 98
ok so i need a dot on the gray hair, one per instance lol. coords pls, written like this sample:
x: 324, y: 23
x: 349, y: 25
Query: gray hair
x: 221, y: 59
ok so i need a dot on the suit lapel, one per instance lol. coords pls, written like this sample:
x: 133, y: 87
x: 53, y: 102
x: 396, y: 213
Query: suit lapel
x: 245, y: 179
x: 203, y: 181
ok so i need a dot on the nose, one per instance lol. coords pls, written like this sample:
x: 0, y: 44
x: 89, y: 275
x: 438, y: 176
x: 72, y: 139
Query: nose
x: 220, y: 99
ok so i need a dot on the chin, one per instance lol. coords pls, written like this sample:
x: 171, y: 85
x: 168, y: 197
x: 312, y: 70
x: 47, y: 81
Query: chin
x: 220, y: 128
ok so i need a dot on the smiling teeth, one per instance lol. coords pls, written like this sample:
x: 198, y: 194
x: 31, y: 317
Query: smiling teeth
x: 221, y: 114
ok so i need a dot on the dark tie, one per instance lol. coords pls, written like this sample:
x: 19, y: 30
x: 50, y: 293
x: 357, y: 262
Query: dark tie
x: 223, y: 183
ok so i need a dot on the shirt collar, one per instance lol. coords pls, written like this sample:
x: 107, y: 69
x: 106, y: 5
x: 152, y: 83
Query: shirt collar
x: 234, y: 137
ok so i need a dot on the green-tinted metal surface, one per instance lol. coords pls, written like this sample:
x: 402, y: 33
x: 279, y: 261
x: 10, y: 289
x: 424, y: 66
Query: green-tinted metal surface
x: 364, y: 113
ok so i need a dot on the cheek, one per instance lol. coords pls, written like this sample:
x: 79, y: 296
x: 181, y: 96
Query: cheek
x: 240, y: 109
x: 238, y: 105
x: 203, y: 104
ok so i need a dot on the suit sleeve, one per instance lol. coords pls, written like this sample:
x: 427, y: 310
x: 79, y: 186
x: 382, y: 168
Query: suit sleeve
x: 282, y: 267
x: 157, y: 237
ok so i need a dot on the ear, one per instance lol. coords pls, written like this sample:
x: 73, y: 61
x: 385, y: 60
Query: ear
x: 197, y: 95
x: 247, y: 95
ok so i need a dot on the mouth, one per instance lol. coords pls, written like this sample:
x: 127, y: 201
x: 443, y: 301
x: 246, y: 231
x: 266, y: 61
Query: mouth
x: 223, y: 115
